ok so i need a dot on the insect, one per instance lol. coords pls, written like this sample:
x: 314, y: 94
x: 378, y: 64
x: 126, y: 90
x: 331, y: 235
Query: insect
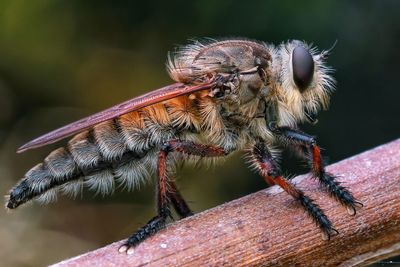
x: 229, y: 95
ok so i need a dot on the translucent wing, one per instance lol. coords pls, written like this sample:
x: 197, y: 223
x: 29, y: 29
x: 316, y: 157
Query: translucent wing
x: 150, y: 98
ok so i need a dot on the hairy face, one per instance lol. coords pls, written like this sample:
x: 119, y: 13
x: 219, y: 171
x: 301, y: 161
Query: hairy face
x: 301, y: 81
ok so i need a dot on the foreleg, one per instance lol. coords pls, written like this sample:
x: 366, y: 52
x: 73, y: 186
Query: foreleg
x: 307, y: 143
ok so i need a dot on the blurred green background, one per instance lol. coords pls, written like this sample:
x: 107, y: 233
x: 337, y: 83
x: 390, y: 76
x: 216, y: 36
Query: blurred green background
x: 62, y: 60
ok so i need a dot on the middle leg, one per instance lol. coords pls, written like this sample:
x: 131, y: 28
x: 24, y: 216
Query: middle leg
x: 167, y: 193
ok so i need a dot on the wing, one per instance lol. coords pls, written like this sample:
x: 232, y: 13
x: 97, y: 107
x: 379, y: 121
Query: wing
x: 153, y: 97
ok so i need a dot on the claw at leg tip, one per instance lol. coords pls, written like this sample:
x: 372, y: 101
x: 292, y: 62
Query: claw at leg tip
x: 359, y: 204
x: 326, y: 236
x: 130, y: 251
x: 351, y: 210
x: 122, y: 249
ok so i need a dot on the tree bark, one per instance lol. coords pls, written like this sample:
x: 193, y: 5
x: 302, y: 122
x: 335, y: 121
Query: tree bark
x: 269, y: 228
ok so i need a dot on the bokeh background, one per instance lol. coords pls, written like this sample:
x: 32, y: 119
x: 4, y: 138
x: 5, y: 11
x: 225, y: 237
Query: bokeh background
x: 62, y: 60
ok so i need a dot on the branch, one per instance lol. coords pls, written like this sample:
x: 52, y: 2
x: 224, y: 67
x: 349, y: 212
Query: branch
x: 269, y: 228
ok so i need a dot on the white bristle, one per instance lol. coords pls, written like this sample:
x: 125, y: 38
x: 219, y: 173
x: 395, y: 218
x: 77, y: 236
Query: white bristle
x: 131, y: 175
x: 72, y: 189
x: 101, y: 182
x: 47, y: 197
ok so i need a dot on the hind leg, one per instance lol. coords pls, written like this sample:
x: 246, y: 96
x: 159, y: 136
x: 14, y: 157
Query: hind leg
x: 163, y: 201
x: 179, y: 203
x: 167, y: 192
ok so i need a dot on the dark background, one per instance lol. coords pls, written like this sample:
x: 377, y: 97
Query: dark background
x: 62, y: 60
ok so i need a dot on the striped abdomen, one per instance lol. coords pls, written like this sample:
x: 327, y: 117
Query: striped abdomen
x: 122, y: 150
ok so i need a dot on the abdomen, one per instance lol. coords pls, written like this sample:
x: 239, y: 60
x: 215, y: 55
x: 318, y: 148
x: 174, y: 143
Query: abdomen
x: 123, y: 150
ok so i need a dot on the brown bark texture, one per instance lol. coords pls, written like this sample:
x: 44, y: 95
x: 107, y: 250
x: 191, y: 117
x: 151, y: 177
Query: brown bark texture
x: 269, y: 228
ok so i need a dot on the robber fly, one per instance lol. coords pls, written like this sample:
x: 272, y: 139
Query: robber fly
x: 229, y: 95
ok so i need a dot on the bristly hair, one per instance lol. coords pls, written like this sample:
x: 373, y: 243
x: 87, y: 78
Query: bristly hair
x: 250, y: 158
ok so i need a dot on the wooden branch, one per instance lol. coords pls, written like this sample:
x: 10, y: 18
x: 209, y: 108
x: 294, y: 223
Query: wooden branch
x: 269, y: 228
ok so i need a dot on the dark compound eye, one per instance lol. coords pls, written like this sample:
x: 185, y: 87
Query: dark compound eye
x: 303, y: 67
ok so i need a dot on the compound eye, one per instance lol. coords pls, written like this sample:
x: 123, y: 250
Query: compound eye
x: 303, y: 67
